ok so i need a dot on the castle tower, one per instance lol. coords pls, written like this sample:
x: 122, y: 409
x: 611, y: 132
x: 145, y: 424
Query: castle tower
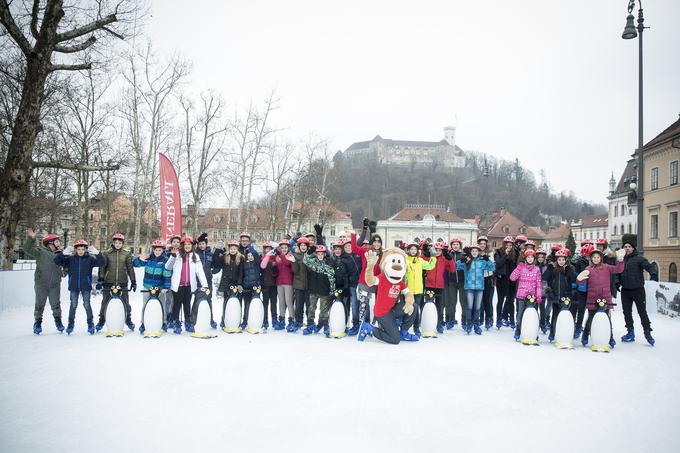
x: 450, y: 135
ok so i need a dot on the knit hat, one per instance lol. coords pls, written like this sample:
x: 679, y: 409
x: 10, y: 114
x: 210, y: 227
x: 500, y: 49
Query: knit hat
x: 629, y: 239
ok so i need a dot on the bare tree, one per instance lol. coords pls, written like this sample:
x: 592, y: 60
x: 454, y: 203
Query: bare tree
x: 39, y: 32
x: 278, y: 158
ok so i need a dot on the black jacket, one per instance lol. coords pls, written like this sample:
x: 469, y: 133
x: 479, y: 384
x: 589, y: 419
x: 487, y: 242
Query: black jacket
x: 559, y: 282
x: 352, y: 267
x: 504, y: 264
x: 232, y: 271
x: 269, y: 273
x: 632, y: 276
x: 341, y: 275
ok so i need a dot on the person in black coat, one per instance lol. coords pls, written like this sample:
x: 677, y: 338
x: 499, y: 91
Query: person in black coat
x: 339, y: 264
x: 353, y: 267
x: 206, y: 255
x: 231, y: 265
x: 505, y: 259
x: 632, y: 281
x: 559, y: 277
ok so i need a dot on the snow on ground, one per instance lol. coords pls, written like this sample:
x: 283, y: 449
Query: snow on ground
x: 286, y: 392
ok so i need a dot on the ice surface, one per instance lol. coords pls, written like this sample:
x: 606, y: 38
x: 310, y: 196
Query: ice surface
x: 285, y: 392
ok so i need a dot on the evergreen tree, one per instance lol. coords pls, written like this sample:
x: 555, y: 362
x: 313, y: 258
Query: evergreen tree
x: 571, y: 243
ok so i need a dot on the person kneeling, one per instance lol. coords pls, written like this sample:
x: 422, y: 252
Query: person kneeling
x: 390, y: 284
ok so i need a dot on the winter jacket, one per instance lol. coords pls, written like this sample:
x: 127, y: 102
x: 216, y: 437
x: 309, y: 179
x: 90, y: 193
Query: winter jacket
x: 251, y: 274
x: 300, y: 271
x: 474, y: 276
x: 207, y: 262
x: 79, y: 269
x: 155, y: 273
x: 320, y: 274
x: 269, y: 271
x: 244, y: 251
x: 117, y: 268
x: 490, y: 254
x: 285, y: 267
x: 599, y: 283
x: 232, y: 270
x: 457, y: 278
x: 435, y: 276
x: 504, y: 264
x: 559, y: 282
x: 47, y: 272
x: 580, y: 264
x: 528, y: 278
x: 361, y: 252
x: 353, y: 267
x: 415, y: 265
x: 196, y: 274
x: 632, y: 277
x: 338, y: 263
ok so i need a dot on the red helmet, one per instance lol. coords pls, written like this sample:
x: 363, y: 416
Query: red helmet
x: 556, y: 247
x: 231, y: 242
x: 438, y: 245
x: 541, y: 252
x: 520, y: 238
x: 284, y: 242
x: 563, y: 253
x: 303, y: 240
x: 266, y: 244
x: 188, y: 239
x: 310, y: 235
x: 509, y: 239
x: 412, y: 244
x: 49, y: 238
x: 338, y: 243
x: 244, y: 234
x: 594, y: 250
x: 530, y: 242
x: 118, y: 236
x: 80, y: 243
x: 482, y: 238
x: 157, y: 243
x: 586, y: 241
x: 529, y: 252
x: 568, y: 252
x: 587, y: 249
x: 320, y: 248
x: 365, y: 242
x: 602, y: 241
x: 456, y: 239
x: 475, y: 246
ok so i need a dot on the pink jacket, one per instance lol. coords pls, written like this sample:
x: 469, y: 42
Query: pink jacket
x: 599, y: 283
x: 528, y: 280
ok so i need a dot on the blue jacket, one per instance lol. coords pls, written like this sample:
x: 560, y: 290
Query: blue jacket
x: 474, y: 276
x: 206, y: 257
x: 251, y: 274
x: 79, y: 269
x: 155, y: 273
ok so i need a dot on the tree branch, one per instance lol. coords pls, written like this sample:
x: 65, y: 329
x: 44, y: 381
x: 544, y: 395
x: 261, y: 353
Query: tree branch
x: 34, y: 18
x: 70, y: 67
x: 67, y: 166
x: 85, y: 29
x: 76, y: 47
x: 8, y: 21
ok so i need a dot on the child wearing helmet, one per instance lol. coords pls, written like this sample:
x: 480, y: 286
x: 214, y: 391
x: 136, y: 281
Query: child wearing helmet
x: 231, y: 265
x: 116, y: 271
x: 321, y: 285
x: 473, y: 268
x: 415, y: 266
x: 578, y: 309
x: 252, y: 278
x: 559, y: 277
x: 505, y: 259
x: 155, y: 276
x: 529, y: 283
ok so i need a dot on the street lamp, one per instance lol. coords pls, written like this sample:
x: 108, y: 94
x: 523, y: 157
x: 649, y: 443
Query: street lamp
x: 631, y: 32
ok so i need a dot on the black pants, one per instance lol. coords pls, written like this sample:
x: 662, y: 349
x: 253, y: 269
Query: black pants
x: 486, y: 313
x: 637, y: 296
x: 269, y: 296
x: 417, y: 308
x: 301, y: 303
x: 439, y: 303
x: 578, y: 308
x: 105, y: 303
x: 556, y: 309
x: 247, y: 297
x: 455, y: 294
x: 505, y: 306
x: 182, y: 299
x: 387, y: 329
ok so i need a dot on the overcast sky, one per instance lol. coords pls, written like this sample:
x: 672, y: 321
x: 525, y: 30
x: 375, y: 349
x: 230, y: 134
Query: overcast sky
x: 549, y: 82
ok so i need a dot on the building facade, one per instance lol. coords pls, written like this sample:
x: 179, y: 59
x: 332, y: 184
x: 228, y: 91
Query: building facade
x: 622, y: 216
x: 411, y: 154
x: 661, y: 203
x: 417, y: 222
x: 498, y: 225
x: 592, y: 227
x: 556, y: 236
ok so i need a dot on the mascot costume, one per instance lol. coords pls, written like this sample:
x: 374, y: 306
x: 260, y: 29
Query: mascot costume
x: 388, y: 305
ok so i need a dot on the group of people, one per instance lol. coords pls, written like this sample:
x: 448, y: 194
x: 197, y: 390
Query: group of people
x: 301, y: 273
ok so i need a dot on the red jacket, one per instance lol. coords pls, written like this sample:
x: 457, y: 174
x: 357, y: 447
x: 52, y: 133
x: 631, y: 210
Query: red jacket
x: 435, y: 277
x: 285, y: 276
x: 599, y: 283
x: 361, y: 251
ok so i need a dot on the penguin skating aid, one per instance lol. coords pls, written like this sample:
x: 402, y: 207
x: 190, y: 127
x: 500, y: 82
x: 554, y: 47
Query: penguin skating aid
x: 428, y: 316
x: 231, y: 312
x: 337, y: 327
x: 115, y: 314
x: 600, y: 328
x: 153, y: 315
x: 255, y: 312
x: 201, y: 316
x: 564, y: 326
x: 530, y: 323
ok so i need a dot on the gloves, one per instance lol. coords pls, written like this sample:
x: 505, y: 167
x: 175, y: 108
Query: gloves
x: 133, y: 287
x: 68, y: 250
x: 365, y: 223
x: 447, y: 255
x: 583, y: 275
x: 99, y: 285
x: 372, y: 226
x: 620, y: 254
x: 271, y: 253
x: 466, y: 251
x: 92, y: 250
x: 318, y: 229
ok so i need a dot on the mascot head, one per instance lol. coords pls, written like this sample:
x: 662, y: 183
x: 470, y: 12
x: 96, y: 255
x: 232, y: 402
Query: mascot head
x: 393, y: 264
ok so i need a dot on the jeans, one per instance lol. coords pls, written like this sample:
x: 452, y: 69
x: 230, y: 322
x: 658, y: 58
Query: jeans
x: 74, y: 305
x: 474, y: 303
x: 387, y: 329
x: 637, y: 296
x: 354, y: 304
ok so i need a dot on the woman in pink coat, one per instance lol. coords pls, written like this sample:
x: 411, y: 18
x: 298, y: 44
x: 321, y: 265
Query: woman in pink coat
x: 598, y: 275
x: 528, y: 277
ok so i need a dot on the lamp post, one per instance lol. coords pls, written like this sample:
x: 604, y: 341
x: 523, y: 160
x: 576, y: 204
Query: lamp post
x: 631, y: 32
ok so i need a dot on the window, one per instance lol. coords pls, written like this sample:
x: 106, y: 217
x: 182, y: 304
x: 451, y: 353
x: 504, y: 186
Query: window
x: 630, y: 228
x: 654, y: 226
x: 673, y: 224
x: 493, y: 244
x: 598, y: 235
x: 673, y: 174
x: 655, y: 178
x: 616, y: 211
x: 333, y: 230
x: 604, y: 234
x: 615, y: 233
x: 673, y: 273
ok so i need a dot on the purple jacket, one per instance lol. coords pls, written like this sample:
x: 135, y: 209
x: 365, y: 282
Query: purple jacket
x: 599, y: 283
x: 528, y: 278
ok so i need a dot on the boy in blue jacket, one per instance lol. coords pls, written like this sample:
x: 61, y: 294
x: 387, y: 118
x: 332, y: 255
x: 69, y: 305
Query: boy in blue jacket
x: 79, y: 266
x: 155, y: 275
